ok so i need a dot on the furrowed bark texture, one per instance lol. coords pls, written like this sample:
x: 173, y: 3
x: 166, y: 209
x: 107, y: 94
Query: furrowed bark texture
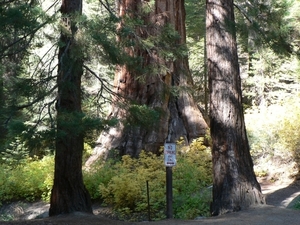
x: 69, y: 193
x: 179, y: 114
x: 234, y: 183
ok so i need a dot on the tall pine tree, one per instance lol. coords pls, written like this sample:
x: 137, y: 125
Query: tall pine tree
x: 69, y: 193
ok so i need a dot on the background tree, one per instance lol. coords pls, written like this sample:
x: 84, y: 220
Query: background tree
x: 234, y: 183
x: 267, y: 38
x: 69, y: 193
x: 22, y: 82
x: 267, y: 34
x: 156, y: 82
x: 195, y: 24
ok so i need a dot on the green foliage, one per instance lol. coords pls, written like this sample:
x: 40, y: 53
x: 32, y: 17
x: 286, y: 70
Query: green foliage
x: 268, y: 39
x: 25, y: 139
x: 14, y: 154
x: 167, y: 42
x: 28, y: 75
x: 20, y: 22
x: 148, y: 7
x: 274, y: 135
x: 191, y: 178
x: 28, y: 139
x: 142, y: 115
x: 271, y: 80
x: 195, y: 19
x: 297, y: 204
x: 100, y: 174
x: 123, y: 184
x: 87, y: 152
x: 100, y: 41
x: 195, y: 29
x: 266, y: 24
x: 18, y: 17
x: 289, y: 132
x: 6, y: 217
x: 30, y: 180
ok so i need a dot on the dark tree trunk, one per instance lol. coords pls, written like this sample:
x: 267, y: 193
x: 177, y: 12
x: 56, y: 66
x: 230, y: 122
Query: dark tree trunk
x: 234, y: 183
x: 179, y: 114
x: 69, y: 193
x: 3, y: 130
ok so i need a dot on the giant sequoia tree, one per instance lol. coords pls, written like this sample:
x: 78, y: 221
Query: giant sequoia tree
x: 234, y: 183
x: 69, y: 193
x: 154, y: 85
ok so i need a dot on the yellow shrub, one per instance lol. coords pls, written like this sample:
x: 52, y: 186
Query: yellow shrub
x: 126, y: 190
x: 30, y: 180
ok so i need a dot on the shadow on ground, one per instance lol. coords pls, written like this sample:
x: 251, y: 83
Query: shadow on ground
x: 284, y: 196
x: 279, y: 198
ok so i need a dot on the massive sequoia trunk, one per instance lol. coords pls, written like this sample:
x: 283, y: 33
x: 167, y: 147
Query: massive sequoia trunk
x: 234, y: 183
x: 69, y: 193
x: 179, y: 116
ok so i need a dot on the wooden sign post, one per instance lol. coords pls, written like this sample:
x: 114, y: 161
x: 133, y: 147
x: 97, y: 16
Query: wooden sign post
x: 170, y: 161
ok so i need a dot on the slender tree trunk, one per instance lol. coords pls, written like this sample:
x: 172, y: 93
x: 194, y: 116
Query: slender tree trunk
x: 69, y: 193
x: 179, y: 114
x: 3, y: 130
x: 234, y: 183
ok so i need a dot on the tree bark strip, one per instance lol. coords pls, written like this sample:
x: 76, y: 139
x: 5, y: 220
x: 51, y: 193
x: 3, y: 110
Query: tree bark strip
x: 69, y: 193
x: 234, y: 183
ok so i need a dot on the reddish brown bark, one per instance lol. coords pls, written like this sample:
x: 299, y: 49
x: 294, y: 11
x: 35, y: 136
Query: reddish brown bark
x: 180, y: 116
x: 234, y: 183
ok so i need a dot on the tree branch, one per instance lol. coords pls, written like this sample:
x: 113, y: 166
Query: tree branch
x: 243, y: 13
x: 31, y: 34
x: 106, y: 6
x: 37, y: 99
x: 102, y: 81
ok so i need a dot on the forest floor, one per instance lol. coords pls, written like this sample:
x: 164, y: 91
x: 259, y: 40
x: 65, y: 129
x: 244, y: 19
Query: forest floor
x: 280, y: 197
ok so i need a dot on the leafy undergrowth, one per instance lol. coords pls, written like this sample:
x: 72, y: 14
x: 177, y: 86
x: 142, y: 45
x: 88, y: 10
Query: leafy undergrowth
x: 29, y: 180
x: 123, y: 185
x: 274, y: 137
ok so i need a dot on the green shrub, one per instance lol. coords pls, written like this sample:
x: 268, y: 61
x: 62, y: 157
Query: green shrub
x: 274, y: 137
x: 123, y: 184
x: 100, y: 174
x: 126, y: 191
x: 297, y: 205
x: 289, y: 132
x: 276, y: 128
x: 30, y: 180
x: 192, y: 176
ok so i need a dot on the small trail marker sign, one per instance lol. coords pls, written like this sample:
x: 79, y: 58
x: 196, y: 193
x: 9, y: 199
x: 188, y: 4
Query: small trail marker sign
x: 170, y: 154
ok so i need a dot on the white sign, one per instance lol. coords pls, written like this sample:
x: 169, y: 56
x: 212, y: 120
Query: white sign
x: 170, y: 154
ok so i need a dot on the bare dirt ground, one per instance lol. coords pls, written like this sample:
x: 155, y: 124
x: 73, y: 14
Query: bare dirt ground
x: 280, y: 198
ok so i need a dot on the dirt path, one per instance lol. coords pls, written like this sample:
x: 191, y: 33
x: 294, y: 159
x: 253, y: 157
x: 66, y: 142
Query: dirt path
x: 281, y: 195
x: 278, y: 196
